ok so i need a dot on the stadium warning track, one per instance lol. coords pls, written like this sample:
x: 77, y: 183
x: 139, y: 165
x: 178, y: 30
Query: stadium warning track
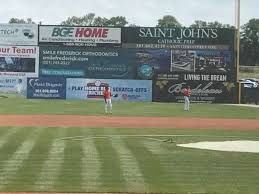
x: 127, y: 122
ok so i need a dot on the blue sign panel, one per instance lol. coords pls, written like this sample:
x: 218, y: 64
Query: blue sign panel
x: 126, y: 90
x: 46, y: 88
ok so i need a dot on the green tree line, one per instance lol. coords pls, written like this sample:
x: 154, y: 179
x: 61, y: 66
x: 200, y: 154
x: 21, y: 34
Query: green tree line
x: 249, y: 42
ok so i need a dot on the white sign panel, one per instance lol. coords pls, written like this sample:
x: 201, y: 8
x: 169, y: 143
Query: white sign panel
x: 19, y: 61
x: 18, y: 34
x: 61, y: 34
x: 13, y: 85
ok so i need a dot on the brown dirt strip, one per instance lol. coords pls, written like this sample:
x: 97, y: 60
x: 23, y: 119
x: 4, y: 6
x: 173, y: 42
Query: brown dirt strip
x: 127, y: 122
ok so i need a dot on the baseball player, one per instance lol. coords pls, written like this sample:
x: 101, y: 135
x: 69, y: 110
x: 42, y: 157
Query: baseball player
x: 19, y: 87
x: 107, y: 95
x: 187, y: 94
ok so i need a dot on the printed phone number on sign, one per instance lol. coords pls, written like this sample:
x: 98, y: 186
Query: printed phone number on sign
x: 47, y: 91
x: 56, y: 63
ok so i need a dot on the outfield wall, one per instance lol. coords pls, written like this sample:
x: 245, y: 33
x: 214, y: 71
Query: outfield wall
x: 86, y: 89
x: 170, y: 57
x: 19, y: 57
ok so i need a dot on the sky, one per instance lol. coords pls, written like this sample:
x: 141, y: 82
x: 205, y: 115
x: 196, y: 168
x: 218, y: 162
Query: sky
x: 139, y: 12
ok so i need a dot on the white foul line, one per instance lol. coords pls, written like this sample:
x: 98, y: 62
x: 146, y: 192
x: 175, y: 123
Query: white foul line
x: 77, y: 138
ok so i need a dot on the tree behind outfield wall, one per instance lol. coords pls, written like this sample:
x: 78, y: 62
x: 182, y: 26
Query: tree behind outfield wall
x: 99, y: 21
x: 118, y: 21
x: 250, y: 43
x: 204, y: 24
x: 91, y: 20
x: 168, y: 21
x: 21, y: 21
x: 86, y: 20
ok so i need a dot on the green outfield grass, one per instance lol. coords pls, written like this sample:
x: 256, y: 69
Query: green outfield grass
x: 37, y: 159
x: 248, y: 75
x: 123, y: 160
x: 14, y: 105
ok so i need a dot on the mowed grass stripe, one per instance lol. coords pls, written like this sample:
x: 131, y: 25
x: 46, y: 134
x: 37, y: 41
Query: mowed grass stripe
x: 112, y: 178
x: 131, y: 171
x: 4, y: 131
x: 157, y: 147
x: 12, y: 165
x: 91, y: 166
x: 25, y: 177
x: 154, y: 173
x: 211, y: 169
x: 174, y: 180
x: 6, y: 134
x: 69, y: 178
x: 52, y: 165
x: 202, y: 171
x: 11, y: 143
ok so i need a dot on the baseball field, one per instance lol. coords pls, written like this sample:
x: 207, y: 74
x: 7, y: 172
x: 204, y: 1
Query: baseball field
x: 72, y: 146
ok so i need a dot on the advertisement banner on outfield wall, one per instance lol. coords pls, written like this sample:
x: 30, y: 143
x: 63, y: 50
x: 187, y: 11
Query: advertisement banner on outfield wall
x: 131, y: 63
x: 209, y: 88
x: 19, y: 61
x: 19, y: 34
x: 46, y: 88
x: 13, y: 85
x: 178, y: 38
x: 79, y: 35
x: 127, y: 90
x: 158, y: 63
x: 87, y: 62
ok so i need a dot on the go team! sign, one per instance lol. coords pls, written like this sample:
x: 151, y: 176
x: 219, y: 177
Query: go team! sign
x: 59, y: 34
